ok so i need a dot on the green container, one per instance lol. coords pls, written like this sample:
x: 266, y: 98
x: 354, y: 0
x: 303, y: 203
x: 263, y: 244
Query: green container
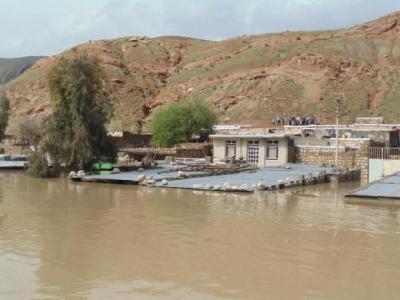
x: 103, y: 166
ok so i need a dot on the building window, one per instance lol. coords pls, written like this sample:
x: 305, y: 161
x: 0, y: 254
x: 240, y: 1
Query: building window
x: 230, y: 149
x: 272, y: 150
x: 252, y: 151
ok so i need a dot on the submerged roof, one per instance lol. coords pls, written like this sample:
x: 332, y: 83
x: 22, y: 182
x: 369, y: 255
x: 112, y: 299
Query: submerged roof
x: 388, y: 187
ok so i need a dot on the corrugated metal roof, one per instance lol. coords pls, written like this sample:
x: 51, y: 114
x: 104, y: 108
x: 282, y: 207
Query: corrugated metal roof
x: 388, y: 187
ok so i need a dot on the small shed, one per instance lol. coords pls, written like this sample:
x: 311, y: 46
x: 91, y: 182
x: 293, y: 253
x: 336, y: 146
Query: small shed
x: 125, y: 139
x: 193, y: 150
x: 139, y: 154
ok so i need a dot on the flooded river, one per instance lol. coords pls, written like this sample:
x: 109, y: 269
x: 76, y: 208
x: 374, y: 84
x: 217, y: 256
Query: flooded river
x: 63, y: 240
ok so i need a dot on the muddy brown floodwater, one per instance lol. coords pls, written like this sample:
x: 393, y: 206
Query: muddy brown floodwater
x: 62, y: 240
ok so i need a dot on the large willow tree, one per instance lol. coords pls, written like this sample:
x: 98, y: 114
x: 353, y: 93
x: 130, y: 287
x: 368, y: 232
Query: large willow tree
x: 76, y: 134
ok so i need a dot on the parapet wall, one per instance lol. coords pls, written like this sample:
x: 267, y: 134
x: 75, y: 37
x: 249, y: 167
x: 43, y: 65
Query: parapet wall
x: 356, y: 158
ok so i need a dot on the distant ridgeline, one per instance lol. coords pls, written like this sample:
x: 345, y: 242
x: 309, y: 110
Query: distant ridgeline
x: 11, y: 68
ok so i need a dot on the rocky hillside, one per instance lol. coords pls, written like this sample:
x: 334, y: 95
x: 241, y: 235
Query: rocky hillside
x: 11, y: 68
x: 248, y: 79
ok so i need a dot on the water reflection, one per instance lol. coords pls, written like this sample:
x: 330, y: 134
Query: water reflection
x: 84, y: 241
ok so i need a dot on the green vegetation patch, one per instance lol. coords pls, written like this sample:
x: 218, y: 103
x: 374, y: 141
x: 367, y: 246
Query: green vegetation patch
x: 178, y: 122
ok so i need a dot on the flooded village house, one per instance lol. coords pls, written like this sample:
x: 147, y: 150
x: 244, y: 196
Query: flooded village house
x: 261, y: 146
x: 369, y: 145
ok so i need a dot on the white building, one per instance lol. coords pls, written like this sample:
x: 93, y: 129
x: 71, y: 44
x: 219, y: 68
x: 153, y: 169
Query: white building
x: 382, y: 135
x: 256, y: 145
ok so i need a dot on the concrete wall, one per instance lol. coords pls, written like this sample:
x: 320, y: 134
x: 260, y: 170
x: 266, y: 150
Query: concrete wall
x: 262, y: 153
x: 241, y: 148
x: 219, y: 149
x: 16, y: 150
x: 379, y: 168
x: 356, y: 158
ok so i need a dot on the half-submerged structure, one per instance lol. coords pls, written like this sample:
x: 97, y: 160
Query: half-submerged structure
x: 261, y: 146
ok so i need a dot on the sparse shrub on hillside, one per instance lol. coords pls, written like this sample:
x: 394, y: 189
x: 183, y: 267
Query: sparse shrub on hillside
x: 178, y: 122
x: 4, y: 114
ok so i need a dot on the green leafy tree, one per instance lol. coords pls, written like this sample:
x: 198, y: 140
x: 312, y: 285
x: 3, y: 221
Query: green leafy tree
x: 76, y: 134
x: 4, y: 114
x: 178, y: 122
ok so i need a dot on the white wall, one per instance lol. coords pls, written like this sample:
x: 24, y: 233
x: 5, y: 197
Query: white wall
x: 379, y: 168
x: 241, y: 148
x: 219, y: 149
x: 262, y: 152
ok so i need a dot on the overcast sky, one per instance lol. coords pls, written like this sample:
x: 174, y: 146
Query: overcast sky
x: 44, y: 27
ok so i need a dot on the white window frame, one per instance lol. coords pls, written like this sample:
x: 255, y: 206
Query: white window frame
x: 272, y: 146
x: 229, y: 145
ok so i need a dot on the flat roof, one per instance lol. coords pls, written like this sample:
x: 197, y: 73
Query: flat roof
x: 255, y: 135
x: 269, y: 176
x: 388, y: 187
x: 230, y: 127
x: 369, y: 127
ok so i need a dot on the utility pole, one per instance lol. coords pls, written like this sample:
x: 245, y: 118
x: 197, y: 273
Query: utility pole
x: 337, y: 133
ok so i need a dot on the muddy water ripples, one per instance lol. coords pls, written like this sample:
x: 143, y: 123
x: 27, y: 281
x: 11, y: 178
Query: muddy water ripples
x: 62, y: 240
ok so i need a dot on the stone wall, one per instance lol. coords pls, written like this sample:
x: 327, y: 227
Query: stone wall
x: 310, y: 141
x: 348, y: 158
x: 15, y: 150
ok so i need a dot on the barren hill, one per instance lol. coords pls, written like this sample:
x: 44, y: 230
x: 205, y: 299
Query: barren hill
x: 245, y: 79
x: 11, y: 68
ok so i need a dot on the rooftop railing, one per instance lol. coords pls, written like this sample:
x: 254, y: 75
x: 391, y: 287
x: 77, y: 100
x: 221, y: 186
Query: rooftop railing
x: 384, y: 153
